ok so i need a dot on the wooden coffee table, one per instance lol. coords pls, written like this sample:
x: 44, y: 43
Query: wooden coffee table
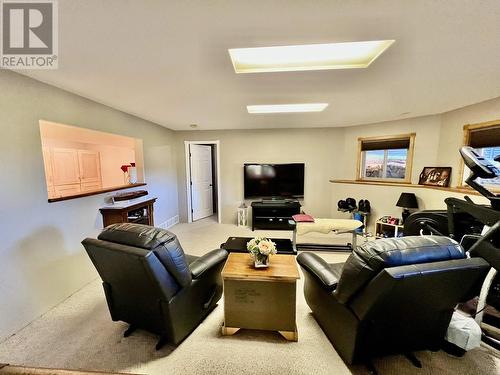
x: 263, y: 299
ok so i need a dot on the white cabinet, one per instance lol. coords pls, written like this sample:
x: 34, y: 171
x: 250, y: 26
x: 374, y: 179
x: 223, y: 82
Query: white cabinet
x: 65, y: 167
x: 49, y: 178
x: 65, y: 190
x: 90, y: 186
x: 90, y: 170
x: 72, y: 171
x: 90, y: 167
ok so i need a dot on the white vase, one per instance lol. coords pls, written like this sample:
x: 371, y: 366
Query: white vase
x: 132, y: 175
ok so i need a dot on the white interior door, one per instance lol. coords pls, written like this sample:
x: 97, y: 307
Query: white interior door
x: 201, y: 181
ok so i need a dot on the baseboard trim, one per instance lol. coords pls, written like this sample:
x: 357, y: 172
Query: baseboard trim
x: 169, y: 223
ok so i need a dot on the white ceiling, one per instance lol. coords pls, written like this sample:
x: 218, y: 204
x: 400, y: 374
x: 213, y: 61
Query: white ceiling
x: 167, y: 61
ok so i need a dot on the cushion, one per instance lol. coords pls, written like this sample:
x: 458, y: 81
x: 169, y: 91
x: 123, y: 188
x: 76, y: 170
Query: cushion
x: 163, y: 243
x: 303, y: 218
x: 136, y: 235
x: 328, y: 225
x: 367, y: 260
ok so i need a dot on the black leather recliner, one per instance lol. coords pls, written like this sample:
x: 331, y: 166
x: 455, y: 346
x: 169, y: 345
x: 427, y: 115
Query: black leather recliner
x: 391, y: 295
x: 151, y: 284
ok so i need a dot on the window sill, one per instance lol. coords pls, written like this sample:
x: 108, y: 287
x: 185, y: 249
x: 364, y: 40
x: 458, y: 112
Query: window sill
x: 461, y: 189
x: 90, y: 193
x: 392, y: 181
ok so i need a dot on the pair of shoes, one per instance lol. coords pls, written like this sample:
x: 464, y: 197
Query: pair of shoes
x: 364, y: 205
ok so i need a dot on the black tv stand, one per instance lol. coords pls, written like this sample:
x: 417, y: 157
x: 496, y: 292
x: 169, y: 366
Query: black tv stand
x: 272, y: 200
x: 274, y: 214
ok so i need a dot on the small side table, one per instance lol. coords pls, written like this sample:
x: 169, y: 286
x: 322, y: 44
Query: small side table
x: 263, y: 299
x: 243, y: 216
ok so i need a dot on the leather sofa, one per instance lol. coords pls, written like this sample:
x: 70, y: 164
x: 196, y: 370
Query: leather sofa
x: 391, y: 295
x: 151, y: 284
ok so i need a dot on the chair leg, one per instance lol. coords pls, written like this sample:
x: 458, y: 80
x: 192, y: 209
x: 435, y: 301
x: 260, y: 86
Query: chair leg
x: 161, y: 342
x: 129, y: 331
x: 413, y: 359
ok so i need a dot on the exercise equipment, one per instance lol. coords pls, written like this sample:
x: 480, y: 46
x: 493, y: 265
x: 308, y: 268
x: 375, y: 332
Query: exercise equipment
x: 342, y: 205
x: 364, y: 205
x: 325, y: 226
x: 481, y: 168
x: 475, y: 226
x: 351, y: 204
x: 462, y: 218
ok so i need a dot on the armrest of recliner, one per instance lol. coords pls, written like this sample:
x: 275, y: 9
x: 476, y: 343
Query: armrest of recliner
x: 319, y: 268
x: 207, y: 261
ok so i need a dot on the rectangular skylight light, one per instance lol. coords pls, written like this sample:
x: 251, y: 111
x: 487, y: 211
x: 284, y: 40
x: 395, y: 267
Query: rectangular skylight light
x: 287, y: 108
x: 307, y: 56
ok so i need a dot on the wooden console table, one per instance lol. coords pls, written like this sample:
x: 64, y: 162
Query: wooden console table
x: 138, y: 211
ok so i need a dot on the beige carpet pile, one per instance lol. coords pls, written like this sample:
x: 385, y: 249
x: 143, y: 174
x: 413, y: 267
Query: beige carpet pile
x: 79, y: 334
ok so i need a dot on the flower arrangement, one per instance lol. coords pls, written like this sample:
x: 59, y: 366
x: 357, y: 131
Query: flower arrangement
x: 129, y: 173
x: 261, y: 248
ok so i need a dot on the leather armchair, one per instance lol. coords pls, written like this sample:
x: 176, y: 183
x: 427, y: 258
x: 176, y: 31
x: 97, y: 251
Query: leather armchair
x: 151, y: 284
x: 391, y: 295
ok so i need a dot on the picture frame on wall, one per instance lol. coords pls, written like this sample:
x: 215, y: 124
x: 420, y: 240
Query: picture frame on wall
x: 435, y: 176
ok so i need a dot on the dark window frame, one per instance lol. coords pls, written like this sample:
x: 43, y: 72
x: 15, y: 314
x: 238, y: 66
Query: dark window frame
x: 388, y: 142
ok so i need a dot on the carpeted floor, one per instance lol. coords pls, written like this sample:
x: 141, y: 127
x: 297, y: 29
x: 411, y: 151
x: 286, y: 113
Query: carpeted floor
x: 79, y: 334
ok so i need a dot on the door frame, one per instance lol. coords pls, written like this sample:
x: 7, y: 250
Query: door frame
x: 188, y: 175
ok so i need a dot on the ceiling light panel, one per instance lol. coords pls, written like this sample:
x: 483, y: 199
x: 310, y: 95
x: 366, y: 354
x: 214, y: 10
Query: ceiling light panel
x: 307, y: 57
x: 287, y: 108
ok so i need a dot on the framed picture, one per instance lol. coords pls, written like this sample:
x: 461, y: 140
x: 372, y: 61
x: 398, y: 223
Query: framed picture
x: 435, y: 176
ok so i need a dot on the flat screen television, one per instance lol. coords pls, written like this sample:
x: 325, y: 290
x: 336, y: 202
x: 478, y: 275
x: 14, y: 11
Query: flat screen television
x: 274, y: 180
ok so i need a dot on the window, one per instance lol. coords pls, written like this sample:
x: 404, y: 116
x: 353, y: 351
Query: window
x: 80, y: 162
x: 485, y: 138
x: 386, y: 158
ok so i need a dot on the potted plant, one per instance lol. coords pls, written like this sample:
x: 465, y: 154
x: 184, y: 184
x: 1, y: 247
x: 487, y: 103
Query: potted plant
x: 261, y: 248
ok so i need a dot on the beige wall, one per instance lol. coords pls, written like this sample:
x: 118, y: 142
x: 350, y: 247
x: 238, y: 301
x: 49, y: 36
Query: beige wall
x: 452, y: 130
x: 383, y: 198
x: 317, y: 148
x: 437, y: 143
x: 41, y: 259
x: 427, y: 131
x: 332, y: 153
